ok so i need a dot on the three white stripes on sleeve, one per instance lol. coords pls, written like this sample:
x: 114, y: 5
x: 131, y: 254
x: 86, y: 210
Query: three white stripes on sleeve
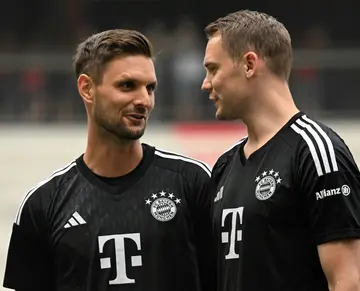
x: 319, y: 143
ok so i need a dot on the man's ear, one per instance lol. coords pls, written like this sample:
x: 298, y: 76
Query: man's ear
x: 85, y: 87
x: 250, y: 61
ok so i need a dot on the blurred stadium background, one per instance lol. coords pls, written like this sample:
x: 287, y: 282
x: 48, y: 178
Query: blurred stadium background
x: 42, y: 120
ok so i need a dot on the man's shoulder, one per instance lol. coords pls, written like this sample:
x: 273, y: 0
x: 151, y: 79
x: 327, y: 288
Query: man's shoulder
x: 45, y: 189
x: 227, y: 155
x: 183, y: 164
x: 318, y: 144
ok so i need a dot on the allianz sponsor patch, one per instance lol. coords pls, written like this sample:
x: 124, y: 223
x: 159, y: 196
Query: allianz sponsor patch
x: 344, y: 190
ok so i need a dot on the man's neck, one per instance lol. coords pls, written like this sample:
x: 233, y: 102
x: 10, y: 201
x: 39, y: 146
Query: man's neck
x: 112, y: 160
x: 267, y: 117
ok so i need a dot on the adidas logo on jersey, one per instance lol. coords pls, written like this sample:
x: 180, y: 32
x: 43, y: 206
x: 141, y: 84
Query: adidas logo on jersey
x: 344, y: 189
x: 219, y: 194
x: 75, y: 220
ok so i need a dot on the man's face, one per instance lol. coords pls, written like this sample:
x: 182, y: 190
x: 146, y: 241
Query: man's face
x: 225, y: 80
x: 125, y: 98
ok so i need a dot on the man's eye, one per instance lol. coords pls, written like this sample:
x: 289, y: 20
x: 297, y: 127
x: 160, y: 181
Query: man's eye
x: 212, y: 70
x: 151, y: 88
x: 127, y: 85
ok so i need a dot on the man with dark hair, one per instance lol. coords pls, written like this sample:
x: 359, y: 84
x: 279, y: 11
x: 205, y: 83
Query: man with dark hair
x: 287, y: 210
x: 124, y: 215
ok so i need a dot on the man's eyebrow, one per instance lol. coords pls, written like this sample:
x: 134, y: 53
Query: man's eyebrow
x: 153, y: 83
x: 137, y: 80
x: 208, y: 64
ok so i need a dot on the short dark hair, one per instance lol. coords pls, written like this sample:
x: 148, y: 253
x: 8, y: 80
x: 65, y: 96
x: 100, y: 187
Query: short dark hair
x: 251, y: 30
x: 93, y: 54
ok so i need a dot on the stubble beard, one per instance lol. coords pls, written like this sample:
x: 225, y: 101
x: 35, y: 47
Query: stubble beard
x: 116, y: 128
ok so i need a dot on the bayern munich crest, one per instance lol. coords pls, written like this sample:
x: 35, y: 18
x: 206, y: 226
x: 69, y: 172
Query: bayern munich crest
x: 266, y: 184
x: 163, y: 205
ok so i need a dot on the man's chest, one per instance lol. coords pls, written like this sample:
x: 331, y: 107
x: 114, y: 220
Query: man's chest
x: 262, y: 191
x: 94, y: 229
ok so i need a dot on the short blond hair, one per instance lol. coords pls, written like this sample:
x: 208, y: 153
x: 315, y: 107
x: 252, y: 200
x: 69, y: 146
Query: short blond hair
x: 251, y: 30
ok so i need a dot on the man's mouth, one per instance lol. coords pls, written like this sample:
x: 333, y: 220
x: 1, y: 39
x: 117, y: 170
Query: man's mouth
x: 137, y: 116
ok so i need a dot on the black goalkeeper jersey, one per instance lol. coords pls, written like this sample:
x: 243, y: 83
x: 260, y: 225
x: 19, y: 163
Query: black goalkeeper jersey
x: 301, y: 189
x: 147, y: 230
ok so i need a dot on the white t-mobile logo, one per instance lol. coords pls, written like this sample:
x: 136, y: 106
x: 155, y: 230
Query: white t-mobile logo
x: 105, y: 263
x: 235, y: 235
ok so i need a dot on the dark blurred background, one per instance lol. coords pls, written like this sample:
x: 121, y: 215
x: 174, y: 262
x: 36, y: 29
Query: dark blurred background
x: 39, y: 37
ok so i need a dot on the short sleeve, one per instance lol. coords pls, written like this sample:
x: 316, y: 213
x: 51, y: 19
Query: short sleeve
x: 28, y: 259
x: 200, y: 196
x: 330, y: 190
x: 200, y: 206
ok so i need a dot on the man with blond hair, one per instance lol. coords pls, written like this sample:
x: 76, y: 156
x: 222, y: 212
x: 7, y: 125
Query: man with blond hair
x: 286, y: 210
